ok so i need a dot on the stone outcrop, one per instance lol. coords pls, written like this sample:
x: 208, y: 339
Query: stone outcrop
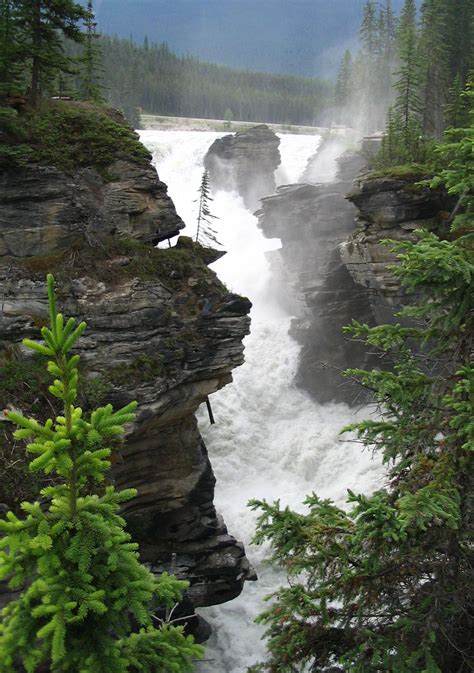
x: 388, y: 208
x: 162, y: 329
x: 312, y: 220
x: 333, y: 259
x: 245, y: 162
x: 53, y: 209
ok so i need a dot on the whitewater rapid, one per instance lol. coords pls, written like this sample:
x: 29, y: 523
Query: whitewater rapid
x: 270, y: 439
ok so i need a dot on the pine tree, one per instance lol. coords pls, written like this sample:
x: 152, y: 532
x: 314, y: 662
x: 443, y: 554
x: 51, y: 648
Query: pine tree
x: 458, y: 175
x: 83, y: 587
x: 43, y: 22
x: 387, y: 30
x: 368, y: 28
x: 368, y: 66
x: 392, y: 151
x: 459, y: 37
x: 342, y: 95
x: 408, y: 104
x: 435, y: 65
x: 11, y: 60
x: 456, y: 110
x: 228, y: 118
x: 205, y: 234
x: 92, y: 70
x: 386, y: 585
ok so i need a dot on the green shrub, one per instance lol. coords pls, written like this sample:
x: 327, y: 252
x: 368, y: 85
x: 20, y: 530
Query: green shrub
x: 83, y: 588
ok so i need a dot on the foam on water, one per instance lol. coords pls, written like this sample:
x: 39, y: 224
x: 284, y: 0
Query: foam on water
x: 270, y: 439
x: 178, y: 156
x: 295, y: 150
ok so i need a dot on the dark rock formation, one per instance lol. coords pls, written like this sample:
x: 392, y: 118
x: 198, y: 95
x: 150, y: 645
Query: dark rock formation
x: 333, y: 259
x: 52, y: 209
x: 388, y: 208
x: 312, y: 220
x: 162, y: 329
x: 246, y: 162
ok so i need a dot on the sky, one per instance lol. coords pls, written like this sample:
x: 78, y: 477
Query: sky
x: 302, y: 37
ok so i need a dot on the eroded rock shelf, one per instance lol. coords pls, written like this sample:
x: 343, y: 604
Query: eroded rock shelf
x: 162, y: 329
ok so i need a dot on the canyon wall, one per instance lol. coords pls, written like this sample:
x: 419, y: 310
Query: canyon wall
x: 388, y: 207
x: 337, y: 264
x: 332, y: 266
x: 162, y: 329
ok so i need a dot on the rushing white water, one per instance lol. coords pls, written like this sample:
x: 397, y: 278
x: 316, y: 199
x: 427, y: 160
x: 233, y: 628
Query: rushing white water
x: 295, y: 150
x: 270, y: 440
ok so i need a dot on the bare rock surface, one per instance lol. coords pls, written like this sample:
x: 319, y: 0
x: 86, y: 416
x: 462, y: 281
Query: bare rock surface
x: 162, y: 329
x: 333, y: 260
x: 52, y: 209
x: 312, y: 220
x: 388, y: 208
x: 246, y: 162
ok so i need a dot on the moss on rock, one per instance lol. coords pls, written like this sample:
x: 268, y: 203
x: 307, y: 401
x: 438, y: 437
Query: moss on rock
x: 113, y: 258
x: 68, y: 135
x: 409, y: 172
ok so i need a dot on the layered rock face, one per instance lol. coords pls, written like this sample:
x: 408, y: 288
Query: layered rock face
x: 162, y: 329
x: 312, y: 220
x: 52, y: 210
x: 333, y: 258
x: 245, y: 162
x: 388, y: 208
x: 332, y: 266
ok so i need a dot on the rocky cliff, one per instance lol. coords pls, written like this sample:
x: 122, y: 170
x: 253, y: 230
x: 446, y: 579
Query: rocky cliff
x: 312, y: 220
x: 388, y: 207
x: 54, y: 210
x: 332, y: 266
x: 335, y: 263
x: 162, y: 329
x: 246, y: 162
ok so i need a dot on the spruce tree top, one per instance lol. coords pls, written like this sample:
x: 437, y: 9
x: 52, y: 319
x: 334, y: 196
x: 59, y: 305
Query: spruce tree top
x: 86, y: 600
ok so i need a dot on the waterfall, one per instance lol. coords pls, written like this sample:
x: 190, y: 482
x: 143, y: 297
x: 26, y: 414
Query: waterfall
x: 270, y: 439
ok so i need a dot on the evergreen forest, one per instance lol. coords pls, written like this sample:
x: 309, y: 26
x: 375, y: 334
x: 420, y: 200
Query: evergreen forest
x: 415, y: 65
x: 46, y: 50
x: 156, y: 81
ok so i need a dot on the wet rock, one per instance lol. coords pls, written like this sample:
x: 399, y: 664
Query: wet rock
x: 162, y: 329
x: 245, y: 162
x: 312, y: 220
x: 238, y: 305
x: 333, y: 266
x: 54, y: 210
x: 388, y: 208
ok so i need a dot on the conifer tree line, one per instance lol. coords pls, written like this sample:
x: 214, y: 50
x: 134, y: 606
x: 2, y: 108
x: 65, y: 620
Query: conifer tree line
x: 52, y: 48
x: 151, y: 77
x: 33, y: 59
x: 415, y: 66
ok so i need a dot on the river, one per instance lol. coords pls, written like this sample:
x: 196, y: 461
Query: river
x: 271, y: 440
